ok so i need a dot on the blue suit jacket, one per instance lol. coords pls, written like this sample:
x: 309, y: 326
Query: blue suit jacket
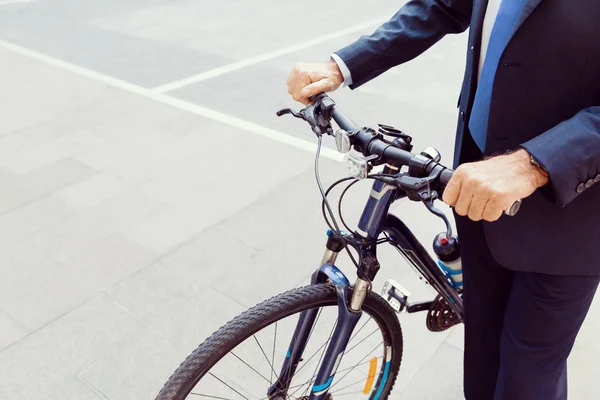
x: 546, y: 98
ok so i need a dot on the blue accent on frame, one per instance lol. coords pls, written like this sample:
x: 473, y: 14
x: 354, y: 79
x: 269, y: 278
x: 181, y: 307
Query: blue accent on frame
x: 330, y: 232
x: 386, y: 372
x: 318, y: 388
x: 289, y: 353
x: 373, y: 216
x: 336, y: 276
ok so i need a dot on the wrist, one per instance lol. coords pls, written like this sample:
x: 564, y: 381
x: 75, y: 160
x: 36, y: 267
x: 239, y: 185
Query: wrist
x: 535, y: 171
x: 337, y: 72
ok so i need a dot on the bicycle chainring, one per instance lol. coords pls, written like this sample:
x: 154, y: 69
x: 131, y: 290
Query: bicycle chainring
x: 441, y: 316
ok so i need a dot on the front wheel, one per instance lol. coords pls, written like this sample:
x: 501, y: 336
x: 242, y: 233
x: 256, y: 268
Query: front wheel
x: 244, y: 358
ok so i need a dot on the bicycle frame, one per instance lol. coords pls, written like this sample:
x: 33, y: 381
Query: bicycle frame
x: 374, y: 221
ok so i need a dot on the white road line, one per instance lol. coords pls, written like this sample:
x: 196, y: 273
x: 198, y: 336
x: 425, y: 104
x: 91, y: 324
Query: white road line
x: 225, y: 69
x: 7, y: 2
x: 183, y: 105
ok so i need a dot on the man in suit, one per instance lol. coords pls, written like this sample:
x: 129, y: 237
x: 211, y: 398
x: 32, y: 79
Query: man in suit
x: 528, y: 128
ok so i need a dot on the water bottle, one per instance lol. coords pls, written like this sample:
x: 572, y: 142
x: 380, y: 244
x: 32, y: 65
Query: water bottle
x: 447, y: 251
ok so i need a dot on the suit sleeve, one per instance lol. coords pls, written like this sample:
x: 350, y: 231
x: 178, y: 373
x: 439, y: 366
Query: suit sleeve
x: 570, y: 152
x: 417, y: 26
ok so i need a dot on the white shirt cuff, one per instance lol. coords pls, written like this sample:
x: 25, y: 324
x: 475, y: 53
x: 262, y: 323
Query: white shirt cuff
x: 344, y: 68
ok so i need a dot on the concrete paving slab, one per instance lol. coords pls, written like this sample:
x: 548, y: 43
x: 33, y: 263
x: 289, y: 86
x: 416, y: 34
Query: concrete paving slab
x: 64, y: 348
x: 75, y: 388
x: 92, y: 192
x: 56, y: 176
x: 10, y: 330
x: 73, y: 282
x: 440, y: 378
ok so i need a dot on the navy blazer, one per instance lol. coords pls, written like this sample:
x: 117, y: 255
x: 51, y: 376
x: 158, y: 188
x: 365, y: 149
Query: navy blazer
x: 545, y: 98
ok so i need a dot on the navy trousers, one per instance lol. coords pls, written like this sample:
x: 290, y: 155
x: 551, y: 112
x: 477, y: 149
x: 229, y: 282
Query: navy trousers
x: 519, y: 326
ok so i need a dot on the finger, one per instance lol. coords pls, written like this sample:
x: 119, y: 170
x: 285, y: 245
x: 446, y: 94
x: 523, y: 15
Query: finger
x: 452, y: 190
x: 492, y: 212
x: 321, y: 86
x: 299, y: 84
x: 291, y: 78
x: 463, y: 203
x: 316, y: 76
x: 477, y: 207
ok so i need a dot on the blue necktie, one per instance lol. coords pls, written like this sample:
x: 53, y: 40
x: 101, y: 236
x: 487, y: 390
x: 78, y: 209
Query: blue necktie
x: 503, y: 28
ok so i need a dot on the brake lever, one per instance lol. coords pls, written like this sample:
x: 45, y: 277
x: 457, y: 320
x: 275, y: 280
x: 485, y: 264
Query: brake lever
x: 318, y: 114
x: 419, y: 189
x: 297, y: 114
x: 439, y: 213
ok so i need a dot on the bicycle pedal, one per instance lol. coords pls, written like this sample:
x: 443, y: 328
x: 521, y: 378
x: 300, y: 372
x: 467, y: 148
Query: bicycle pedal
x: 395, y: 295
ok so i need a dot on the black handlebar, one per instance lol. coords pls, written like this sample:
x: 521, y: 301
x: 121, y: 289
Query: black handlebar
x: 343, y: 120
x: 370, y: 143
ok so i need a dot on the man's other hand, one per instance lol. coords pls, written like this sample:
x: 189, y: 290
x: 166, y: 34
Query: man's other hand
x: 308, y: 80
x: 484, y: 189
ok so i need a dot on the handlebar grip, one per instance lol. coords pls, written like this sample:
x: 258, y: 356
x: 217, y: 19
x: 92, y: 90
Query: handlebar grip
x: 445, y: 178
x: 513, y: 209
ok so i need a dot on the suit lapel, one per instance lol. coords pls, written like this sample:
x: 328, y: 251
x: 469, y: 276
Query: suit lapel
x: 530, y: 6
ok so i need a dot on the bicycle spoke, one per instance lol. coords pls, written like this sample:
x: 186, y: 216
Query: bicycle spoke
x: 357, y: 365
x: 352, y: 369
x: 273, y: 356
x: 356, y: 345
x: 224, y: 383
x: 361, y: 328
x: 352, y: 384
x: 311, y: 357
x: 210, y: 397
x: 265, y: 354
x: 338, y: 372
x: 345, y: 394
x: 249, y: 366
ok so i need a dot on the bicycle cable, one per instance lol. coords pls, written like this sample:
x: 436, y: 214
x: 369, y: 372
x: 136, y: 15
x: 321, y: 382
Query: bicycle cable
x: 325, y: 205
x: 340, y: 204
x: 332, y: 186
x: 337, y: 230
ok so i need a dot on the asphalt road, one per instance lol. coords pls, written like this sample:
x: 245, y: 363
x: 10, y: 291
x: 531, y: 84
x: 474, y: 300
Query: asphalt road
x: 149, y: 193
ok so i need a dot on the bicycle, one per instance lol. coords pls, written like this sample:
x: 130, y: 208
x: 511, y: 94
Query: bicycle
x: 226, y: 366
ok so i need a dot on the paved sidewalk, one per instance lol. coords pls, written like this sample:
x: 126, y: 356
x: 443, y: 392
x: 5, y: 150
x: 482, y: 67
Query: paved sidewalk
x: 149, y: 193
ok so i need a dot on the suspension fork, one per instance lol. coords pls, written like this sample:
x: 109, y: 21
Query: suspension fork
x: 349, y: 313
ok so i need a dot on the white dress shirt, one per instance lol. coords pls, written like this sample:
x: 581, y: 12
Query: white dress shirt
x: 488, y: 23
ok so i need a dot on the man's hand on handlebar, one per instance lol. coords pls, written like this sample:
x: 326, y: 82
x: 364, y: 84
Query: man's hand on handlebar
x: 308, y: 80
x: 484, y: 189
